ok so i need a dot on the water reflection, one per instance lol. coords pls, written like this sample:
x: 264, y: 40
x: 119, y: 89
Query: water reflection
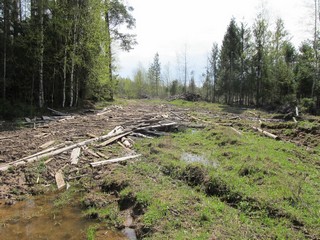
x: 38, y: 219
x: 193, y: 158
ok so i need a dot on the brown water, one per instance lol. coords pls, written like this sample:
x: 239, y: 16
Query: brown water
x: 38, y: 219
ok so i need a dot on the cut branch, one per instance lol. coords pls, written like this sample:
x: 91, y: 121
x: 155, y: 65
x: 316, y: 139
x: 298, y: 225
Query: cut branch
x: 267, y: 133
x: 115, y: 160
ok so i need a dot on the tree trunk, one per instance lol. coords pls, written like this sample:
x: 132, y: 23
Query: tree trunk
x: 315, y: 47
x: 41, y: 91
x: 64, y: 76
x: 110, y: 55
x: 5, y: 27
x: 73, y: 60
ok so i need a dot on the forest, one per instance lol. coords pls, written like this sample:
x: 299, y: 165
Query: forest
x: 60, y: 54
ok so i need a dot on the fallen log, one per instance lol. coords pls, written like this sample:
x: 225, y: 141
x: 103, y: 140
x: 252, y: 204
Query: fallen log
x: 115, y: 160
x: 267, y: 133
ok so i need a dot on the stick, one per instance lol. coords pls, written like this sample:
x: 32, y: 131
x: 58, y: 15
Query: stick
x: 115, y: 160
x: 47, y: 144
x: 267, y: 133
x: 238, y: 132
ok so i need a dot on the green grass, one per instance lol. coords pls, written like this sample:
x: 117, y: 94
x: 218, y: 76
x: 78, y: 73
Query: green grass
x: 266, y: 180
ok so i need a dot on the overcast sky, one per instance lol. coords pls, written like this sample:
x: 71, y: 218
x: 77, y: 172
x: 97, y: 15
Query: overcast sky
x: 168, y: 26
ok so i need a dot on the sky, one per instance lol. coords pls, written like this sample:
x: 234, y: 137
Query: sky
x: 175, y: 27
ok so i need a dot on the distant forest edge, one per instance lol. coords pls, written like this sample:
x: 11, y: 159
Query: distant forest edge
x: 59, y: 53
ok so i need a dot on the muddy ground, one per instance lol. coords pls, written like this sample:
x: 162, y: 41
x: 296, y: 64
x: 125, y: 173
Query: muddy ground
x: 25, y: 139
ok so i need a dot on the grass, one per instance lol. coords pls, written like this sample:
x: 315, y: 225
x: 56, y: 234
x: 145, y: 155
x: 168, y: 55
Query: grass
x: 265, y: 180
x: 230, y: 186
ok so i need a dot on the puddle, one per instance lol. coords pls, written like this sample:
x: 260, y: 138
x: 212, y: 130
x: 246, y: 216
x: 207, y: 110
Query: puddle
x: 38, y: 219
x: 193, y: 158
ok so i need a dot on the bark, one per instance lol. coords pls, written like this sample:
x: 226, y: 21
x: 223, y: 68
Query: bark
x: 41, y: 91
x: 5, y: 27
x: 64, y: 76
x: 73, y: 60
x: 110, y: 55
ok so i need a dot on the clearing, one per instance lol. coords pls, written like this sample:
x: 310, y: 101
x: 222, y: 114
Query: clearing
x: 206, y: 171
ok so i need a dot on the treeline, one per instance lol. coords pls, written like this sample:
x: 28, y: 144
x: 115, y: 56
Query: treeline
x: 254, y: 66
x: 58, y: 52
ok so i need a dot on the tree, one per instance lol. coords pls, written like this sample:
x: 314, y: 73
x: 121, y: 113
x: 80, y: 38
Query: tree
x: 154, y: 75
x: 192, y: 84
x: 117, y: 15
x: 229, y: 63
x: 260, y: 58
x: 139, y: 83
x: 212, y: 71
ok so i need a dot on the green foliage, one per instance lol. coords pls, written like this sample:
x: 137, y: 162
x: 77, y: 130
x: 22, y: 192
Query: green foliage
x: 65, y: 43
x: 308, y: 105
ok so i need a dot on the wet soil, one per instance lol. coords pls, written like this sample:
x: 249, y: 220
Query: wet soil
x: 38, y: 218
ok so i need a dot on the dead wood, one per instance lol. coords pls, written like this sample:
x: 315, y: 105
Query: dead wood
x: 59, y: 179
x: 115, y: 160
x: 55, y: 112
x: 92, y: 152
x: 236, y: 131
x: 38, y: 156
x: 266, y: 133
x: 140, y: 135
x: 111, y: 140
x: 75, y: 154
x: 47, y: 144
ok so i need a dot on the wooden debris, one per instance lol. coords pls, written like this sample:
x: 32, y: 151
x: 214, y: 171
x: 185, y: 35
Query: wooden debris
x: 59, y: 179
x: 294, y: 119
x: 267, y: 133
x: 75, y: 155
x: 47, y: 144
x: 46, y: 118
x: 55, y: 112
x: 127, y: 142
x: 28, y: 120
x: 115, y: 160
x: 41, y: 135
x: 237, y: 131
x: 92, y: 153
x: 49, y: 160
x: 140, y: 135
x: 91, y: 135
x: 100, y: 154
x: 38, y: 156
x: 111, y: 140
x: 103, y: 112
